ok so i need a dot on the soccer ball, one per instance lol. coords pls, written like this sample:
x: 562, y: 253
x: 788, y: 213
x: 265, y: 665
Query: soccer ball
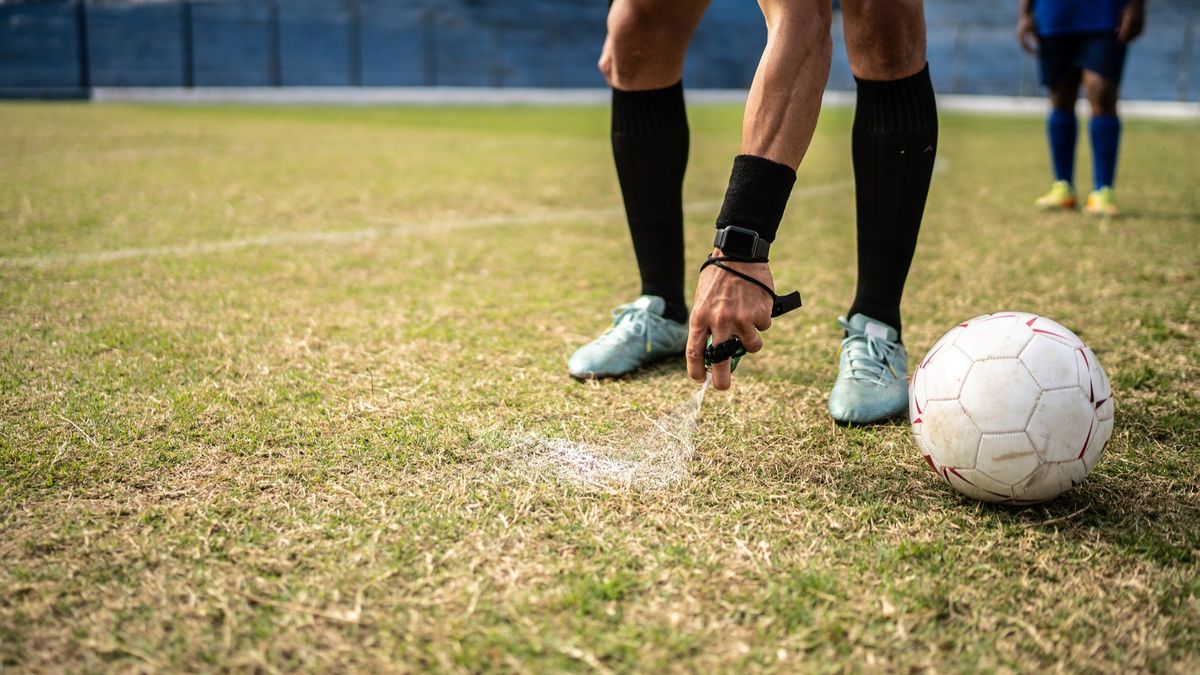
x: 1011, y: 408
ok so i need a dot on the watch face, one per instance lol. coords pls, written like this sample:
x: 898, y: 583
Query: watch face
x: 739, y: 241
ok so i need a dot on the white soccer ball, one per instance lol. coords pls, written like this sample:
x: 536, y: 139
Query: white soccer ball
x: 1011, y: 408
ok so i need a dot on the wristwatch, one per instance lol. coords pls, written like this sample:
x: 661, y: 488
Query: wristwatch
x: 738, y: 242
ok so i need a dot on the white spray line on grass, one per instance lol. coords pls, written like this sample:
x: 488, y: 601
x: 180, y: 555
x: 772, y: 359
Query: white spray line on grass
x: 363, y: 234
x: 656, y: 459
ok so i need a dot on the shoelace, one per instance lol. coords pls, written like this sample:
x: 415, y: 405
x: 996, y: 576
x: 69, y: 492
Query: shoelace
x: 869, y: 357
x: 635, y: 320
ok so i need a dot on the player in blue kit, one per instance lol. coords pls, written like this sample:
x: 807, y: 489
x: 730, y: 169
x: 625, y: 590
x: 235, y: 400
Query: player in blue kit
x: 1081, y: 42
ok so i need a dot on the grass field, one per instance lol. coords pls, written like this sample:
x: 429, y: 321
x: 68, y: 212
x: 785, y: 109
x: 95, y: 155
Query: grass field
x: 254, y: 364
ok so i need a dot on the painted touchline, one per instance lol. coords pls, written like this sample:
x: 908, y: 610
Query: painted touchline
x: 338, y: 237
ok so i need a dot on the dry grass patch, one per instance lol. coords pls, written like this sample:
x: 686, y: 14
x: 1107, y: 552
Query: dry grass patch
x: 292, y: 455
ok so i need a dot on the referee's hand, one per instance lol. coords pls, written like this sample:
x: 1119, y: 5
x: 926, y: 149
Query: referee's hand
x: 725, y: 306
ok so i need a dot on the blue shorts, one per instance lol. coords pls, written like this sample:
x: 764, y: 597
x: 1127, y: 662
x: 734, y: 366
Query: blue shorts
x: 1066, y: 54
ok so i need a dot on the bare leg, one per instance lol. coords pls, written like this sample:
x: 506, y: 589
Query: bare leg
x: 1065, y: 93
x: 642, y: 60
x: 894, y: 143
x: 885, y: 39
x: 1101, y: 94
x: 1104, y: 129
x: 647, y: 42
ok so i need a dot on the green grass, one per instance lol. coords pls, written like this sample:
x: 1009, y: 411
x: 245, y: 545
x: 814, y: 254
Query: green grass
x: 282, y: 455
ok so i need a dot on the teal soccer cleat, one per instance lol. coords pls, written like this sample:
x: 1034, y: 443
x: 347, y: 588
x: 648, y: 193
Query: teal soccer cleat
x: 639, y: 336
x: 872, y: 382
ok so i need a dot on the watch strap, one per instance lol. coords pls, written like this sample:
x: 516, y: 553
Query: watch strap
x: 780, y: 304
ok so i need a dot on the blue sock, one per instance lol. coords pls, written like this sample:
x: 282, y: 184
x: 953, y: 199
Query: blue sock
x: 1062, y: 129
x: 1106, y: 138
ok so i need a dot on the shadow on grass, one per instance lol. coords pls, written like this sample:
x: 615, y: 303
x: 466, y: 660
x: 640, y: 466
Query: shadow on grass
x: 1160, y: 215
x: 670, y: 367
x: 1158, y: 523
x: 893, y: 422
x: 1143, y: 499
x: 1143, y: 505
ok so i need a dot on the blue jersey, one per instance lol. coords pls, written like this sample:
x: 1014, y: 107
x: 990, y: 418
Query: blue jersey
x: 1057, y: 17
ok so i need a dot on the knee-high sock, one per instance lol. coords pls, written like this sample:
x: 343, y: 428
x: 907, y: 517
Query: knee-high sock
x: 1105, y: 131
x: 894, y: 144
x: 650, y: 147
x: 1062, y: 129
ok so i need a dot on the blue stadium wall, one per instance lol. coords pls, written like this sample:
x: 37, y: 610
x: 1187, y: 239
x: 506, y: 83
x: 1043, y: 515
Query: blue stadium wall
x: 64, y: 47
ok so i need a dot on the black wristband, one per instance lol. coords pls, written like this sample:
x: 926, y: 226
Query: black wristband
x: 757, y: 195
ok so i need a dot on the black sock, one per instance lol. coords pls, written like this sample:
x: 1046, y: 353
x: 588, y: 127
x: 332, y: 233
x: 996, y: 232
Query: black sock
x: 894, y: 144
x: 757, y: 195
x: 650, y: 146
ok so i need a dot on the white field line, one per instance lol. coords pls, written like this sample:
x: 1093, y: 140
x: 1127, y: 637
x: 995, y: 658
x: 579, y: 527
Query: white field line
x: 969, y: 103
x: 349, y: 236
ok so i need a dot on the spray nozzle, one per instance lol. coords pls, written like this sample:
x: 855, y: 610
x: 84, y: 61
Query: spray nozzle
x: 729, y: 349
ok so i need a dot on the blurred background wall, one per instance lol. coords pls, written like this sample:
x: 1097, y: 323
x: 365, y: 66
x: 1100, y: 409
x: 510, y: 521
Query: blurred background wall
x: 54, y: 48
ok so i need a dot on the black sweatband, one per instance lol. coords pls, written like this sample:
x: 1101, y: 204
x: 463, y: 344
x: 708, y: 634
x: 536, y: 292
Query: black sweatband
x: 757, y: 195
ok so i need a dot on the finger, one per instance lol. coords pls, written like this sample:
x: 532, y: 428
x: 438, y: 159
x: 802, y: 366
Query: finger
x: 695, y: 352
x: 721, y: 371
x: 721, y: 377
x: 764, y: 322
x: 751, y: 340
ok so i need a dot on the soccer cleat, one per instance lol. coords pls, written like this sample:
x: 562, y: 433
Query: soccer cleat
x: 1060, y: 196
x: 872, y: 382
x: 1102, y: 202
x: 639, y: 336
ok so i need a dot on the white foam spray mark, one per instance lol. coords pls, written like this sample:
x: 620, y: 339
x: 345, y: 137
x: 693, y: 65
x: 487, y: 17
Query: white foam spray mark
x: 656, y: 459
